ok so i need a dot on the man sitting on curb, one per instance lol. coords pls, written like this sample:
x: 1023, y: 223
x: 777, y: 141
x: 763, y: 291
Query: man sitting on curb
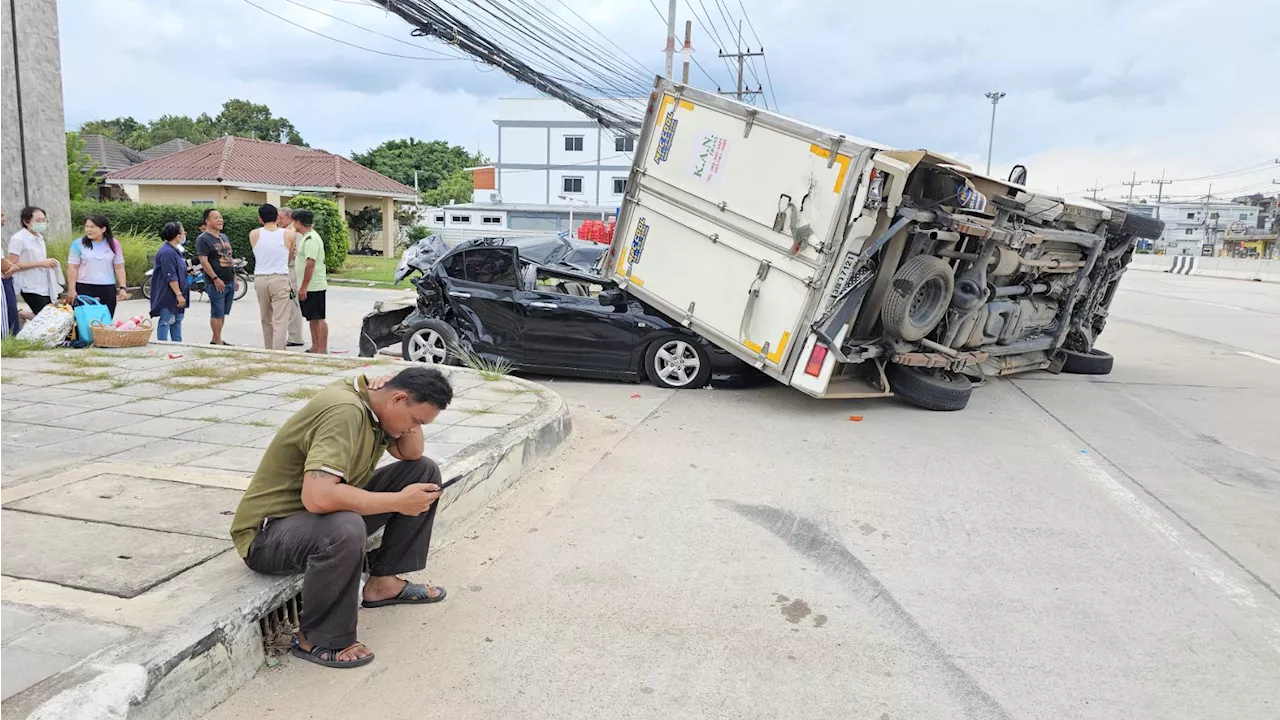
x: 316, y: 497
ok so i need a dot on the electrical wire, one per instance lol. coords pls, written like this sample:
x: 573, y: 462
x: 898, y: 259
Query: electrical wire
x: 375, y: 32
x: 349, y: 44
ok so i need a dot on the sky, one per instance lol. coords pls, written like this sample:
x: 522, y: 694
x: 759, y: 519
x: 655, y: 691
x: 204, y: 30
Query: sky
x: 1096, y: 89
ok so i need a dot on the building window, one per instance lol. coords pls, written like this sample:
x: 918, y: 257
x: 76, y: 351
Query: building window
x: 624, y: 144
x: 1213, y: 216
x: 460, y: 219
x: 440, y: 219
x: 1244, y: 216
x: 573, y: 143
x: 204, y: 203
x: 572, y: 185
x: 1191, y: 231
x: 491, y: 220
x: 619, y: 186
x: 1191, y: 216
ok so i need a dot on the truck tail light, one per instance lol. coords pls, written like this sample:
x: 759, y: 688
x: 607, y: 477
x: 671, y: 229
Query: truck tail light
x: 816, y: 357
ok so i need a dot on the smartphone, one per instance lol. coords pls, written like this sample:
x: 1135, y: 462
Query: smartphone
x: 449, y: 482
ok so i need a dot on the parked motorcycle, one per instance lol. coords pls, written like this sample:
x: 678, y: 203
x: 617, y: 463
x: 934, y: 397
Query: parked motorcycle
x: 196, y: 279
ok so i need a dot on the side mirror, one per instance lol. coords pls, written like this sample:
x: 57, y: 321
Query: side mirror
x: 1018, y: 175
x: 612, y: 297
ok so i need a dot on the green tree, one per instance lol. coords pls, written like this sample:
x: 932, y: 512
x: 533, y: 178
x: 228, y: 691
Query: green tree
x: 172, y: 127
x: 80, y: 168
x: 457, y: 188
x: 237, y: 117
x: 119, y: 129
x: 245, y: 119
x: 435, y: 161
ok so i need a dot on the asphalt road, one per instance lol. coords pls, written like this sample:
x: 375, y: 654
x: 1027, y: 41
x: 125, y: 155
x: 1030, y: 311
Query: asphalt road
x: 1067, y: 547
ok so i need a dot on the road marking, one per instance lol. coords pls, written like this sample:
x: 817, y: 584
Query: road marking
x: 1256, y: 356
x: 1201, y: 564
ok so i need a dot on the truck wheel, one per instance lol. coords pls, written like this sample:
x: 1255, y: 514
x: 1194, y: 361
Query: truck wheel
x: 1136, y: 225
x: 677, y: 363
x: 930, y: 389
x: 430, y: 341
x: 918, y: 298
x: 1093, y: 362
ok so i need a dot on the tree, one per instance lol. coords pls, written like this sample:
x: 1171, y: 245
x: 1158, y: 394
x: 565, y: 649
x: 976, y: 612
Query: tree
x: 242, y: 118
x: 457, y: 188
x: 172, y: 127
x: 119, y: 129
x: 237, y: 117
x: 435, y: 161
x: 80, y: 168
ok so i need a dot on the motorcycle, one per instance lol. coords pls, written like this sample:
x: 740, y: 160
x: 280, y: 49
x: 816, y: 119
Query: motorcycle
x: 196, y: 278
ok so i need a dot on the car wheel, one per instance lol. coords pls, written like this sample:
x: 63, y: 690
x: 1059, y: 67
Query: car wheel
x: 1093, y: 362
x: 677, y: 363
x: 930, y: 389
x: 918, y: 298
x: 242, y: 286
x: 430, y: 341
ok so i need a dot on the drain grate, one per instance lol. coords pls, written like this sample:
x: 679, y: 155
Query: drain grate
x: 279, y: 625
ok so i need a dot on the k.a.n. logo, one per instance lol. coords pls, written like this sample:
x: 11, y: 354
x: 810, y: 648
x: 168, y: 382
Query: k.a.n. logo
x: 664, y: 139
x: 637, y: 242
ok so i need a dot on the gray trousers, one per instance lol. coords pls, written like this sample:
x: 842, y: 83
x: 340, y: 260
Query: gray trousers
x: 330, y: 550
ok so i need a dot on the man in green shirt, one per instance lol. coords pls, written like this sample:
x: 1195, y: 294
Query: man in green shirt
x: 314, y: 280
x: 317, y: 495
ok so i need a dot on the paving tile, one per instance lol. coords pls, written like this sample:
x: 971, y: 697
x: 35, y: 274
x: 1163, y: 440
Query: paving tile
x: 292, y: 407
x: 452, y: 417
x: 212, y: 410
x: 489, y: 420
x: 29, y: 364
x: 433, y: 429
x: 39, y: 413
x: 443, y: 453
x: 274, y: 418
x: 462, y: 435
x: 470, y: 405
x: 70, y: 637
x: 163, y: 427
x: 517, y: 407
x: 96, y: 400
x: 22, y: 435
x: 98, y: 420
x: 89, y: 385
x: 130, y: 501
x: 261, y: 443
x: 16, y: 619
x: 227, y: 433
x: 170, y: 451
x: 19, y: 465
x: 143, y: 390
x: 21, y: 668
x: 244, y: 385
x: 104, y: 443
x: 241, y: 459
x: 258, y: 401
x: 38, y: 394
x: 37, y: 379
x: 155, y: 407
x: 189, y: 381
x: 203, y: 395
x: 284, y: 378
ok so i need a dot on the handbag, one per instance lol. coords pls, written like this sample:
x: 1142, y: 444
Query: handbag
x: 87, y: 310
x: 51, y: 327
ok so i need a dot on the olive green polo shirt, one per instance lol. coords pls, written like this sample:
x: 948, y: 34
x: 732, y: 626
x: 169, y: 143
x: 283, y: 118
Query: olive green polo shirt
x: 336, y: 432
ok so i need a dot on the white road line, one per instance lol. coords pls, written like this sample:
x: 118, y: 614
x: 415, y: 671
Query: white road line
x: 1219, y: 305
x: 1256, y: 356
x: 1201, y: 564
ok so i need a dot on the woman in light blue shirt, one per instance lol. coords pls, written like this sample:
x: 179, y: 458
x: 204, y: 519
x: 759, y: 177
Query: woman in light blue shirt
x: 95, y: 265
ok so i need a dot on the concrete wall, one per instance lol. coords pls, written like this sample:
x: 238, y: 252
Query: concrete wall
x: 34, y: 152
x: 1226, y: 268
x: 187, y: 194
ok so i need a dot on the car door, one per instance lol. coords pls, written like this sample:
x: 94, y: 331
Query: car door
x: 574, y: 332
x: 480, y: 287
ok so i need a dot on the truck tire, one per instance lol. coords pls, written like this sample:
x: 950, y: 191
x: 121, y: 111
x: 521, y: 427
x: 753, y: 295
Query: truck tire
x: 1093, y: 362
x: 939, y: 390
x: 918, y: 298
x: 677, y: 363
x: 430, y: 341
x: 1135, y: 225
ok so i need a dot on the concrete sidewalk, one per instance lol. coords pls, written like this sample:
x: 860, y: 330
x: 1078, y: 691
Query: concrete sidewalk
x: 121, y: 469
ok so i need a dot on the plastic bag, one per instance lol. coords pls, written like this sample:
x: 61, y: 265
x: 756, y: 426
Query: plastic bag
x: 51, y: 327
x: 87, y: 310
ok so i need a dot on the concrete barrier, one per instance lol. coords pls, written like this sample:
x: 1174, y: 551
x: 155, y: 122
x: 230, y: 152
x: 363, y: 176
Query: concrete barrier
x: 1215, y: 267
x: 1150, y: 263
x: 1185, y: 265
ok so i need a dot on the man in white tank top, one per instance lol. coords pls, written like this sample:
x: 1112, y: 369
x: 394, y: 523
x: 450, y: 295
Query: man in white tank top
x: 272, y: 248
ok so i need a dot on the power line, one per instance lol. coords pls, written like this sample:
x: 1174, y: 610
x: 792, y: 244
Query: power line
x: 350, y: 44
x: 375, y: 32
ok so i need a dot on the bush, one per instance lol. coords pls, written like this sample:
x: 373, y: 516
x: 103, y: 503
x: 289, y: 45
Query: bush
x: 145, y: 219
x: 138, y: 250
x: 418, y: 232
x: 331, y: 226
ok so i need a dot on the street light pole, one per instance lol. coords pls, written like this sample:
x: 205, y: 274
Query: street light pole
x: 994, y: 97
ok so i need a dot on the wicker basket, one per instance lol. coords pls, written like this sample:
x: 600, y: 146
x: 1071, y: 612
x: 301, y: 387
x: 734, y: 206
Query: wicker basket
x: 109, y: 337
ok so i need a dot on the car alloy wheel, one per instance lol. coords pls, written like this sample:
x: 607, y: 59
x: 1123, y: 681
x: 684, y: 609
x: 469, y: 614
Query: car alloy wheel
x: 677, y: 363
x: 427, y: 345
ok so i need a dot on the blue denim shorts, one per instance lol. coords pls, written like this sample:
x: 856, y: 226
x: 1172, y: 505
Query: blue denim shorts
x: 220, y: 302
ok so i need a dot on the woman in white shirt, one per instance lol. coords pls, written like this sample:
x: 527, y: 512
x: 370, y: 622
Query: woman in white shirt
x: 95, y: 265
x: 27, y: 252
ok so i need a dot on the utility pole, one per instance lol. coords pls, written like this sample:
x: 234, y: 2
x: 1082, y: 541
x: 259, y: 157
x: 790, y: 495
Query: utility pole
x: 671, y: 36
x: 994, y: 97
x: 742, y: 56
x: 687, y: 50
x: 1133, y: 183
x: 1094, y: 189
x: 1160, y: 191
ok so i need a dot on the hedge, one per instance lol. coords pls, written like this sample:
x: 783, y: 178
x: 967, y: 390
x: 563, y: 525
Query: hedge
x: 137, y: 249
x: 147, y: 219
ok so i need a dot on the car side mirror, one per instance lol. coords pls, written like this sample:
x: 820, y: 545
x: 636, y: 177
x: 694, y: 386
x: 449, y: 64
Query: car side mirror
x: 1018, y: 175
x: 612, y: 297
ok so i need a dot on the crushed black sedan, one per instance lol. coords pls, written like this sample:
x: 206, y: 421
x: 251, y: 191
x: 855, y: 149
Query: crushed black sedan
x: 487, y: 300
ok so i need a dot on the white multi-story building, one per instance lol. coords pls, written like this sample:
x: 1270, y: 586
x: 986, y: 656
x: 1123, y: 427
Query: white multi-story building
x: 1189, y: 226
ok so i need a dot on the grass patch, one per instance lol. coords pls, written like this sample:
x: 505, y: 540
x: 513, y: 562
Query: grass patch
x: 12, y: 347
x: 197, y: 371
x: 85, y: 360
x: 6, y: 379
x: 121, y: 381
x: 489, y: 369
x: 255, y: 423
x: 211, y: 419
x: 302, y: 393
x: 368, y: 268
x: 75, y: 372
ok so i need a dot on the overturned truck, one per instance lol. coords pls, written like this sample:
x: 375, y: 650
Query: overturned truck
x: 849, y: 269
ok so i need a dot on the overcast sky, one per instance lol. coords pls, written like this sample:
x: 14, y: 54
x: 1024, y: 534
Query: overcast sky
x: 1096, y: 89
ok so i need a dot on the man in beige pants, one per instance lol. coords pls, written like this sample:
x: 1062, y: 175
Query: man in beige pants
x: 272, y: 248
x: 285, y: 220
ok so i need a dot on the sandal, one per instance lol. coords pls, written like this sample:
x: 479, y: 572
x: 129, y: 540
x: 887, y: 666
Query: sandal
x: 328, y: 657
x: 410, y: 594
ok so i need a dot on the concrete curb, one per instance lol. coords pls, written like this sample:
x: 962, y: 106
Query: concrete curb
x: 199, y: 660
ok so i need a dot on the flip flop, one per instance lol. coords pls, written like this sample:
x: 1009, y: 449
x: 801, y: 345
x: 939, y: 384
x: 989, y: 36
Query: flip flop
x: 410, y: 594
x: 328, y: 656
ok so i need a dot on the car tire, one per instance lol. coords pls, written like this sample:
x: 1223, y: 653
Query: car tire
x: 918, y: 298
x: 1093, y: 362
x: 939, y: 390
x: 430, y: 341
x: 678, y: 363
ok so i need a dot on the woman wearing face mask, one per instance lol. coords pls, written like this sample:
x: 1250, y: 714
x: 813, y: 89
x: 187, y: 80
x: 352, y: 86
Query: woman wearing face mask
x: 169, y: 284
x: 30, y: 261
x: 95, y: 265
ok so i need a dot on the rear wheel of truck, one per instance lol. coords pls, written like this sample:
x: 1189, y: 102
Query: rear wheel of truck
x: 918, y: 298
x: 928, y: 388
x: 430, y: 341
x: 1093, y: 362
x: 677, y: 363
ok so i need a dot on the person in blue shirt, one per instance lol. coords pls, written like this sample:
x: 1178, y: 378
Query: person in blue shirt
x: 170, y: 293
